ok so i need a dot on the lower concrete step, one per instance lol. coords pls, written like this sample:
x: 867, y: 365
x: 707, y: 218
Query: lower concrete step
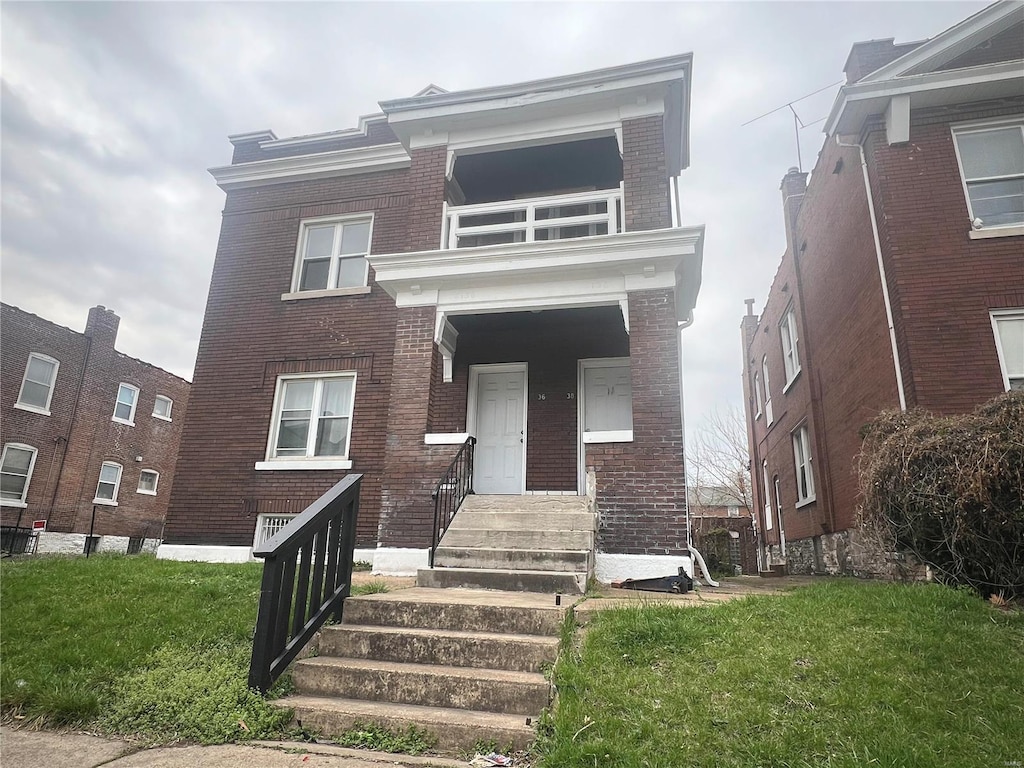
x: 522, y: 653
x: 466, y: 610
x: 551, y: 582
x: 455, y: 729
x: 528, y: 559
x: 484, y: 690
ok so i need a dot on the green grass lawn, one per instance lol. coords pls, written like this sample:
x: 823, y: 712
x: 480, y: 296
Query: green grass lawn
x: 841, y: 673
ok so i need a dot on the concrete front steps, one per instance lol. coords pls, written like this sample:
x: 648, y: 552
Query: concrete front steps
x: 462, y: 664
x: 520, y: 543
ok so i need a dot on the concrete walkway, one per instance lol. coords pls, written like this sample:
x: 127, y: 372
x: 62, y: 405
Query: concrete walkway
x: 46, y: 749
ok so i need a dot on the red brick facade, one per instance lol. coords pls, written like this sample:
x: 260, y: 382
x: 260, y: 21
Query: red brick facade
x: 942, y: 286
x: 79, y: 434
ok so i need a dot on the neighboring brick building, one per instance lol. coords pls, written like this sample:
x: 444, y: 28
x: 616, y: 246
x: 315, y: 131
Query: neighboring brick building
x: 84, y: 427
x: 907, y: 294
x: 503, y: 263
x: 722, y: 528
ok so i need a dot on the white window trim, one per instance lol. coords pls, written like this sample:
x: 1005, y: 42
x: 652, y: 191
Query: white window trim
x: 170, y: 407
x: 272, y: 462
x: 601, y: 436
x: 805, y: 444
x: 44, y: 411
x: 768, y: 522
x: 20, y: 503
x: 117, y: 485
x: 788, y: 330
x: 304, y: 226
x: 130, y: 421
x: 758, y: 395
x: 768, y: 412
x: 994, y: 316
x: 156, y: 485
x: 980, y: 126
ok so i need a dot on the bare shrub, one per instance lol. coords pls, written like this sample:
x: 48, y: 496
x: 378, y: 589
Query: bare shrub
x: 950, y: 490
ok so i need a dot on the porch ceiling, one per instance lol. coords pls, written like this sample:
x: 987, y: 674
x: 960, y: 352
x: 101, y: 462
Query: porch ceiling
x: 588, y: 271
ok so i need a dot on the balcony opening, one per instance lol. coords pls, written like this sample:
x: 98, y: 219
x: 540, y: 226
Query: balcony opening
x: 551, y: 192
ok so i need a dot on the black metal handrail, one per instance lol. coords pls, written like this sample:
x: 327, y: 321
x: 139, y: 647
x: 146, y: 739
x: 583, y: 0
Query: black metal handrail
x: 307, y: 574
x: 453, y: 487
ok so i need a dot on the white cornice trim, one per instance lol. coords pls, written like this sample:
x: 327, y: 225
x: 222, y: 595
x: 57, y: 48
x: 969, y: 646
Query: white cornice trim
x: 858, y: 101
x: 319, y: 138
x: 251, y: 136
x: 345, y: 162
x: 953, y: 42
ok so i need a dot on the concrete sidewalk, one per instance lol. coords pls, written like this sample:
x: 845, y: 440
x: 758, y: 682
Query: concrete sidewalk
x: 46, y: 749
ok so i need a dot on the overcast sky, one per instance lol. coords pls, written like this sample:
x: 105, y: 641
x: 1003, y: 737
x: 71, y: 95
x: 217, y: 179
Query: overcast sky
x: 111, y: 114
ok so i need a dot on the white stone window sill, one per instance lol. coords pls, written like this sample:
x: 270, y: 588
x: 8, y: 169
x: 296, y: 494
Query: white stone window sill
x: 275, y: 464
x: 445, y: 438
x: 13, y: 503
x: 611, y: 436
x: 296, y: 295
x: 162, y: 418
x: 105, y: 502
x: 123, y: 421
x: 805, y: 502
x: 1010, y: 231
x: 32, y: 409
x: 792, y: 381
x: 146, y: 493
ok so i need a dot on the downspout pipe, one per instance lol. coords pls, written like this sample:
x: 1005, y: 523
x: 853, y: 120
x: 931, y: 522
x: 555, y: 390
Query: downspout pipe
x: 881, y: 270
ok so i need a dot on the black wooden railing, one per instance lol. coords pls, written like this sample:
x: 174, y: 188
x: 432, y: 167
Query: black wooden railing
x: 453, y: 487
x: 307, y: 574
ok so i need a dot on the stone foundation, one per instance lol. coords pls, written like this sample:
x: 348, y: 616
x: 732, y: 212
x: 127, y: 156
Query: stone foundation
x: 50, y: 543
x: 847, y: 553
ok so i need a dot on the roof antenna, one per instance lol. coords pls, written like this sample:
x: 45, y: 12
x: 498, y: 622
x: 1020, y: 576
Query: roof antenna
x: 797, y: 122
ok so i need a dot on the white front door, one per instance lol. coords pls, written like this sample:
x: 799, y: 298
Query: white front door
x: 500, y: 431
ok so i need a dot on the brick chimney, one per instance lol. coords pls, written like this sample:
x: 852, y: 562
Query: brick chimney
x: 748, y: 326
x: 101, y: 327
x: 793, y: 187
x: 870, y: 55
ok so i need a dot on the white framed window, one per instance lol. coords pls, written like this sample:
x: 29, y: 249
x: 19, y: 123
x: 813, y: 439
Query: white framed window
x: 162, y: 407
x: 767, y: 391
x: 991, y: 159
x: 802, y: 463
x: 16, y: 467
x: 790, y: 352
x: 37, y: 384
x: 1008, y: 327
x: 268, y: 526
x: 332, y: 254
x: 758, y: 395
x: 124, y: 408
x: 606, y: 408
x: 148, y: 480
x: 312, y: 422
x: 109, y: 484
x: 768, y: 524
x: 733, y: 511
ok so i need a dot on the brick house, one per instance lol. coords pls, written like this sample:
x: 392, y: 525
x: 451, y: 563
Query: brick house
x: 504, y: 264
x: 84, y: 427
x: 902, y: 285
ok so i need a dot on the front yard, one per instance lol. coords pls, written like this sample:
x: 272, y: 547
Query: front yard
x: 837, y: 674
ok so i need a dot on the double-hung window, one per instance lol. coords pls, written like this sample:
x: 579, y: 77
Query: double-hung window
x: 148, y: 480
x: 162, y: 407
x: 1008, y: 326
x: 802, y: 462
x: 109, y: 483
x: 15, y: 472
x: 790, y: 352
x: 769, y: 416
x: 332, y: 254
x: 992, y: 167
x: 124, y: 408
x: 758, y: 395
x: 312, y: 422
x: 768, y: 525
x: 37, y: 385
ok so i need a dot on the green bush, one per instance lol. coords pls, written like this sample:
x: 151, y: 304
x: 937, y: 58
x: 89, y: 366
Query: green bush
x: 950, y: 490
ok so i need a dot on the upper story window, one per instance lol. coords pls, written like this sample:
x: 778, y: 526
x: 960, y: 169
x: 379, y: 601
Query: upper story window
x: 312, y: 419
x: 992, y: 167
x: 37, y: 385
x: 767, y: 391
x: 162, y: 407
x: 109, y: 484
x: 332, y: 254
x: 758, y: 395
x: 148, y: 479
x: 790, y: 352
x: 15, y: 472
x: 802, y: 461
x: 1009, y: 330
x: 124, y: 408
